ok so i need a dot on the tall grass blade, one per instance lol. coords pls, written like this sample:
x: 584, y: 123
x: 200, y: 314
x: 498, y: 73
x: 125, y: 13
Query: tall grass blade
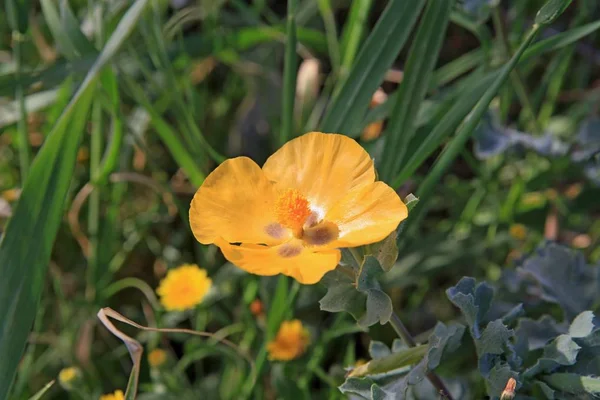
x: 375, y: 58
x: 417, y: 73
x: 27, y: 242
x: 456, y: 145
x: 289, y: 76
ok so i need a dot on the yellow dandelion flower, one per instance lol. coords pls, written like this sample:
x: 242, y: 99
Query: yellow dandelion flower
x: 184, y: 287
x: 67, y: 376
x: 518, y: 231
x: 291, y: 341
x: 117, y: 395
x: 157, y: 357
x: 313, y: 196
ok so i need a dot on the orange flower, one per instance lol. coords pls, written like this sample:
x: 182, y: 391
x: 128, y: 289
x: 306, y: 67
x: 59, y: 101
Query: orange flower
x: 117, y: 395
x: 157, y: 357
x: 291, y: 341
x: 184, y: 287
x: 256, y: 307
x: 314, y: 195
x: 518, y: 231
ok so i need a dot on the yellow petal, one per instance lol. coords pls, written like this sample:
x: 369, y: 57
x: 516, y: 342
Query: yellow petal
x: 322, y: 166
x: 236, y: 203
x: 366, y: 215
x: 291, y: 259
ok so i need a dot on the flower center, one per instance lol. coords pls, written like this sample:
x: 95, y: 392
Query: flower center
x: 291, y: 210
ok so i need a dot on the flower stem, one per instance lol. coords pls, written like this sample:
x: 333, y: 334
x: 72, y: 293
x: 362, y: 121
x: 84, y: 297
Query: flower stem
x: 410, y: 342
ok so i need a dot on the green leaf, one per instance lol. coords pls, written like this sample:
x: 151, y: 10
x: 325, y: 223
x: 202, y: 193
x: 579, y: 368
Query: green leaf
x: 347, y: 291
x: 387, y: 252
x: 494, y: 338
x: 473, y: 300
x: 379, y: 308
x: 444, y: 339
x: 422, y: 58
x: 63, y: 41
x: 411, y: 201
x: 497, y: 379
x: 368, y: 273
x: 42, y: 391
x: 573, y: 383
x: 457, y: 144
x: 289, y: 76
x: 551, y: 10
x: 375, y: 58
x: 342, y: 295
x: 378, y: 350
x: 38, y: 213
x: 573, y: 286
x: 17, y: 14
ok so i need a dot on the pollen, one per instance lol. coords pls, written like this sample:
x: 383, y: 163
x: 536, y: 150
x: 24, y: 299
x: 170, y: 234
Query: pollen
x: 291, y: 209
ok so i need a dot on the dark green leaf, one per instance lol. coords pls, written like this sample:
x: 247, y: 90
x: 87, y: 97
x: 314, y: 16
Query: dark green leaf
x: 494, y: 338
x: 573, y: 383
x: 473, y: 301
x: 342, y: 295
x: 379, y: 308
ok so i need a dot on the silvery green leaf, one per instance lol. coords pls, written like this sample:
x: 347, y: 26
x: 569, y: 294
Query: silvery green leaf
x: 378, y: 350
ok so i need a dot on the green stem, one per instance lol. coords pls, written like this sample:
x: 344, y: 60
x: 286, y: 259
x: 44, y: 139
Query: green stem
x: 24, y: 150
x: 289, y: 76
x: 406, y: 337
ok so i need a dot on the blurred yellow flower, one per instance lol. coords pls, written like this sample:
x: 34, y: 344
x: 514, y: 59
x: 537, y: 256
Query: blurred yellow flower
x: 67, y: 376
x: 157, y: 357
x: 117, y: 395
x: 291, y: 341
x: 518, y: 231
x: 184, y: 287
x: 313, y: 196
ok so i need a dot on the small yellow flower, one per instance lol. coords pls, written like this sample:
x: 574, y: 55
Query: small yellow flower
x: 157, y: 357
x: 518, y: 231
x: 67, y: 376
x: 117, y: 395
x: 291, y: 341
x: 315, y: 195
x: 184, y: 287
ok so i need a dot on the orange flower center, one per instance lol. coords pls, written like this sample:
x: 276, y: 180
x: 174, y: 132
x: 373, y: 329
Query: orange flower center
x: 291, y: 210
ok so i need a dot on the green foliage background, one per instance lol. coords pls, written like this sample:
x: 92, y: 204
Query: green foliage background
x: 113, y: 113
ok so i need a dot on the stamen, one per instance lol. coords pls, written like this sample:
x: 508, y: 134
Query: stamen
x: 292, y: 210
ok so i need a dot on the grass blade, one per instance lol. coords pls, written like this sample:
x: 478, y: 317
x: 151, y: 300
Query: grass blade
x: 417, y: 73
x: 457, y: 144
x: 38, y: 213
x: 289, y: 76
x: 375, y: 58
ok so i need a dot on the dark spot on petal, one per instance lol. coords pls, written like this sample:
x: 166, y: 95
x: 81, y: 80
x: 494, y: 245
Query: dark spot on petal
x: 275, y: 230
x: 321, y: 234
x: 289, y: 250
